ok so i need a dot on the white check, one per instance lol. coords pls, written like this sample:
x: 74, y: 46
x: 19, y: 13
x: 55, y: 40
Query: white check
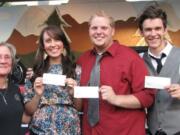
x: 54, y: 79
x: 157, y: 82
x: 86, y: 92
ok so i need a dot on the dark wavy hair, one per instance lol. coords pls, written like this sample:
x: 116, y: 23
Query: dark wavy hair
x: 41, y: 65
x: 151, y: 12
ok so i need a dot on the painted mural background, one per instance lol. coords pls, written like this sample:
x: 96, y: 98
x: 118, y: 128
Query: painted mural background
x: 21, y: 25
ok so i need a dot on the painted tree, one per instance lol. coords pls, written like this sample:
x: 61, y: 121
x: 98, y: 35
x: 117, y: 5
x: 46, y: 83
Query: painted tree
x: 56, y: 19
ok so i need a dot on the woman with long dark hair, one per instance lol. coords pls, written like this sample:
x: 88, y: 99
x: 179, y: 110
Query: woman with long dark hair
x: 53, y: 107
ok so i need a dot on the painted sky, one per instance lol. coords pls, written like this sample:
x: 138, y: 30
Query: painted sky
x: 8, y: 20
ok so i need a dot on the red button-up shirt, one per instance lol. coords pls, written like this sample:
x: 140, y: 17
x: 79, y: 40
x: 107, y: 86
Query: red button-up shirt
x: 123, y: 70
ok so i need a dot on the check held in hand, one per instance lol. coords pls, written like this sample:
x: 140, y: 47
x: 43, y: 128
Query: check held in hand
x: 157, y: 82
x: 86, y: 92
x: 54, y: 79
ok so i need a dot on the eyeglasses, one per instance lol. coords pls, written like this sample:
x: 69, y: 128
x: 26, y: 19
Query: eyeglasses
x: 5, y: 57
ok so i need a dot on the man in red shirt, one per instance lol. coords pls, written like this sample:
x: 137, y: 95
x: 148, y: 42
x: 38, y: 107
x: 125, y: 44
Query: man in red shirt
x: 122, y: 73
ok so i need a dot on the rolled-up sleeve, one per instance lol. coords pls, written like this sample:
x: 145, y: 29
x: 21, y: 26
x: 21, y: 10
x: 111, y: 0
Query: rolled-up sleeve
x: 144, y: 95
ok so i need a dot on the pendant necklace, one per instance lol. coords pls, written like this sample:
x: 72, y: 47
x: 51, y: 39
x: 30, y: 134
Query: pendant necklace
x: 3, y: 92
x: 3, y: 96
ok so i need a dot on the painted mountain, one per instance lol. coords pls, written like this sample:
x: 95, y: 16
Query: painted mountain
x: 126, y: 33
x: 24, y: 44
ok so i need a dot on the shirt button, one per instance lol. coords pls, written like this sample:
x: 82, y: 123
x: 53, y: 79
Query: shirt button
x: 158, y: 100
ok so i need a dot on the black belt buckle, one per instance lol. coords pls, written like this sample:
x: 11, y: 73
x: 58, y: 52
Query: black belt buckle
x: 160, y: 132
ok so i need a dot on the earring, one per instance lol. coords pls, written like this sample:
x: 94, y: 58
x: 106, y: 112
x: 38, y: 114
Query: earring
x: 45, y: 56
x: 64, y: 52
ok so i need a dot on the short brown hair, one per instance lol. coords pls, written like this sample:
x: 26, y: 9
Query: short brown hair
x: 151, y: 12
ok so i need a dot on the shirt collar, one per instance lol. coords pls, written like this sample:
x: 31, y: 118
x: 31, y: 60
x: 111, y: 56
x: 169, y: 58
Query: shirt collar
x: 166, y: 50
x: 110, y: 51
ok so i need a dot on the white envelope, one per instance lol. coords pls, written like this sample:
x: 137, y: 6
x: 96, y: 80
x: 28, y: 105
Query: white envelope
x: 86, y: 92
x: 54, y: 79
x: 157, y: 82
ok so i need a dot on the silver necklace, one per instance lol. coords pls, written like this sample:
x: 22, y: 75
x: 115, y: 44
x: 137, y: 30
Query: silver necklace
x: 3, y: 96
x: 3, y: 91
